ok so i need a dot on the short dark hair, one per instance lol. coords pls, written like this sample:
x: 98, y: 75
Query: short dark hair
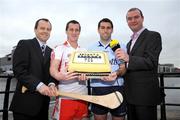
x: 133, y: 9
x: 74, y: 22
x: 44, y: 19
x: 105, y: 20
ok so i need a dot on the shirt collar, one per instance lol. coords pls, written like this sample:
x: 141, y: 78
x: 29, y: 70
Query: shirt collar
x: 138, y: 33
x: 67, y: 44
x: 40, y: 42
x: 102, y: 45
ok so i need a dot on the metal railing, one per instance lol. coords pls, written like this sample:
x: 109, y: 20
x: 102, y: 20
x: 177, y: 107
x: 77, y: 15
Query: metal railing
x: 163, y: 104
x: 163, y: 94
x: 6, y: 93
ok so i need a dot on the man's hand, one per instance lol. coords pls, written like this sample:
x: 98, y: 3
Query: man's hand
x: 82, y: 77
x: 64, y: 74
x: 122, y: 55
x: 122, y: 70
x: 112, y: 76
x: 48, y: 90
x: 53, y: 90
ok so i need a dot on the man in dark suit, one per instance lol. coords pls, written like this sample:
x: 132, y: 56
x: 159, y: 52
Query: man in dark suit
x: 31, y: 68
x: 141, y: 79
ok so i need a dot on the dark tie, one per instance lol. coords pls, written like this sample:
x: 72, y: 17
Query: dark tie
x: 43, y: 49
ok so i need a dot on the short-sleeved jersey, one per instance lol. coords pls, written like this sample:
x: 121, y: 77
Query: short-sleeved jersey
x: 62, y: 53
x: 98, y: 46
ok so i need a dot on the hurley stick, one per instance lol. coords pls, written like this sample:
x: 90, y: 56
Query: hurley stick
x: 112, y: 100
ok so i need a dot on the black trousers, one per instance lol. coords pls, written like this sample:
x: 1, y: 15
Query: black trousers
x: 139, y: 112
x: 42, y: 115
x: 19, y: 116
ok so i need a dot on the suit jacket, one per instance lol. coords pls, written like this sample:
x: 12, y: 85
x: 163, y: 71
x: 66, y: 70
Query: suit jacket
x: 30, y: 68
x: 141, y: 79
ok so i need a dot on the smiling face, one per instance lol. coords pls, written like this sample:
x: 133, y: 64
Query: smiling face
x: 43, y: 30
x: 105, y: 30
x: 73, y: 32
x: 134, y: 20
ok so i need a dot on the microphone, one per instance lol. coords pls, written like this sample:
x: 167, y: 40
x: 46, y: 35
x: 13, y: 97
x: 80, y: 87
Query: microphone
x: 114, y: 44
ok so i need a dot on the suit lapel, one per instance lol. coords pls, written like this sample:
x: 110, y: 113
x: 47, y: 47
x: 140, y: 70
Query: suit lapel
x: 43, y: 59
x: 138, y: 41
x: 128, y: 46
x: 37, y: 48
x: 47, y: 54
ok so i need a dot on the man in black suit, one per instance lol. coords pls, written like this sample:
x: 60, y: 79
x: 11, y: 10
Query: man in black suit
x: 31, y: 68
x: 141, y: 79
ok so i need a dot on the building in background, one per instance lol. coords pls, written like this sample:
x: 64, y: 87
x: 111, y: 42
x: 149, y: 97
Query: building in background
x: 168, y: 68
x: 6, y: 65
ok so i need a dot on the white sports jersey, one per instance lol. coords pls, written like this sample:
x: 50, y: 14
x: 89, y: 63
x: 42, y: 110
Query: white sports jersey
x: 62, y: 53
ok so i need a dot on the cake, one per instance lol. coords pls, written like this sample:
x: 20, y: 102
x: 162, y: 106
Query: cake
x: 94, y: 64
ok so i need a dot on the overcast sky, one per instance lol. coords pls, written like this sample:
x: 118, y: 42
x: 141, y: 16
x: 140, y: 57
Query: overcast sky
x: 17, y: 19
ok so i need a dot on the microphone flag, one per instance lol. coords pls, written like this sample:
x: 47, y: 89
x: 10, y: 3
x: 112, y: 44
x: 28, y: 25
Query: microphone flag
x: 114, y: 44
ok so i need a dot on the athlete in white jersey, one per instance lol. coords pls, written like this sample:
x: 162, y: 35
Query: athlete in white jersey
x: 67, y: 108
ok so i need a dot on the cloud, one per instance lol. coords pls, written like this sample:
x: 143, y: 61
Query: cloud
x: 18, y: 18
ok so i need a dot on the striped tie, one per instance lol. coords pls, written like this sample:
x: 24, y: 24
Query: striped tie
x: 43, y: 49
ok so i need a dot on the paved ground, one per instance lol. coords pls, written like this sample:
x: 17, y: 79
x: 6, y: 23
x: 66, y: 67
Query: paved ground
x: 173, y: 113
